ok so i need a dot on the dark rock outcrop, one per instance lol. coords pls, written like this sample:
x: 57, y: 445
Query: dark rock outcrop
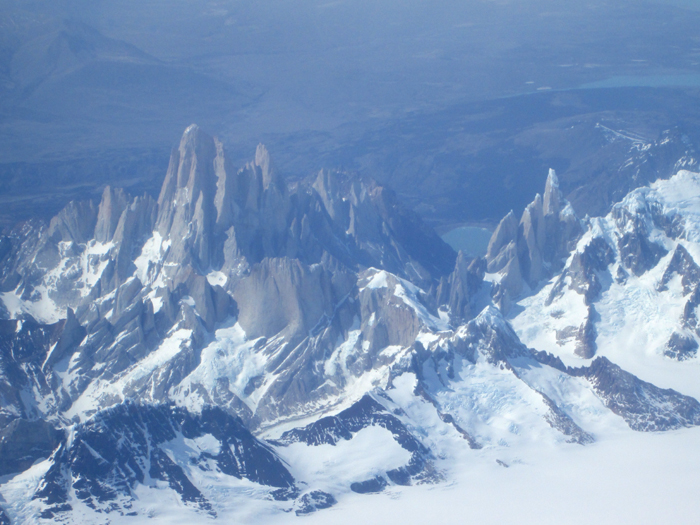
x: 23, y: 442
x: 561, y: 421
x: 365, y: 413
x: 683, y: 264
x: 637, y: 252
x: 313, y: 501
x: 118, y: 448
x: 492, y: 336
x: 370, y: 486
x: 643, y: 406
x: 584, y: 273
x: 681, y: 347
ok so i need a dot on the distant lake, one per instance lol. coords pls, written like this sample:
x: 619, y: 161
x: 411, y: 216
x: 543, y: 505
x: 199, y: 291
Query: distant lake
x: 470, y: 239
x: 645, y: 81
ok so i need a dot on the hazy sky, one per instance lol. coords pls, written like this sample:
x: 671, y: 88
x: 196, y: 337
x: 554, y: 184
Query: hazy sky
x: 318, y: 81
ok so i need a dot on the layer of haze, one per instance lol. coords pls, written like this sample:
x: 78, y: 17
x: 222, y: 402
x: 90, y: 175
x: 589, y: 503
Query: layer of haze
x: 421, y: 94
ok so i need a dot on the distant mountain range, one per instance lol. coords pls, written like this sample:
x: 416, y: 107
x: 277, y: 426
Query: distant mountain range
x: 460, y: 107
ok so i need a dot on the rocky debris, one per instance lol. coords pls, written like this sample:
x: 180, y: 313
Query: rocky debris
x: 643, y: 406
x: 534, y: 249
x: 105, y: 458
x: 313, y: 501
x: 23, y: 442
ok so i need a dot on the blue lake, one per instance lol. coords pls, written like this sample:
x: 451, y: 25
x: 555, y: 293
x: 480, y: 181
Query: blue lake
x: 472, y: 240
x: 645, y: 81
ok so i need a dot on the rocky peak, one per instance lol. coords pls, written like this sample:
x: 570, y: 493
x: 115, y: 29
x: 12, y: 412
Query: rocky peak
x: 535, y: 248
x: 552, y: 195
x: 492, y: 336
x: 683, y: 264
x: 505, y: 233
x: 186, y: 210
x: 531, y: 241
x: 327, y: 186
x: 458, y: 290
x: 114, y: 202
x: 74, y: 223
x: 269, y: 173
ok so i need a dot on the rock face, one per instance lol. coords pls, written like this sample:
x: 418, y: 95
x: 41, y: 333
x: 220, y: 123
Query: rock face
x: 285, y: 296
x: 186, y: 211
x: 527, y: 252
x: 28, y: 350
x: 24, y: 442
x: 458, y: 290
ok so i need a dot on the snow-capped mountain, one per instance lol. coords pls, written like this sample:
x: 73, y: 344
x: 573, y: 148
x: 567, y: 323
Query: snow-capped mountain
x: 242, y: 345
